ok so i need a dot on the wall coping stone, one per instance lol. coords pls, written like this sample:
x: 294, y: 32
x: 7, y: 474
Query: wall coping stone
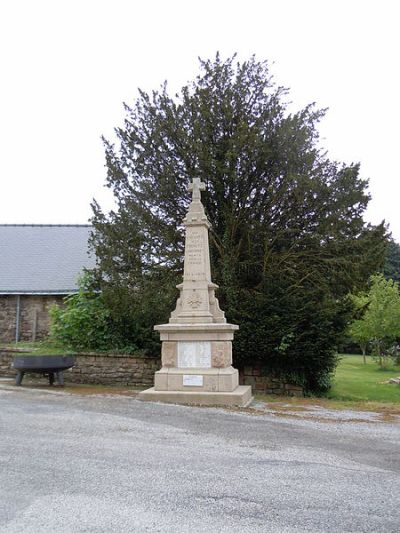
x: 87, y: 354
x: 122, y: 355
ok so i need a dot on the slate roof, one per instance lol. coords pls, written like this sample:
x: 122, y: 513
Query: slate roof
x: 42, y: 259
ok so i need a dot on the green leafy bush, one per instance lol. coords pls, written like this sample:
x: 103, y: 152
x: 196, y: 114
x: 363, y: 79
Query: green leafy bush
x: 84, y: 322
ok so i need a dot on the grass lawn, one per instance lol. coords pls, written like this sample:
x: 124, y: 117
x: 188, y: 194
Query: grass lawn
x: 355, y: 386
x: 356, y: 381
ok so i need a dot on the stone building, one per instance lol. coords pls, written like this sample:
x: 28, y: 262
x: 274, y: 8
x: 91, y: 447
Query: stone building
x: 39, y: 266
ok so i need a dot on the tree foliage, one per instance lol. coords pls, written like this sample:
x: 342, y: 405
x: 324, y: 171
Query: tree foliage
x: 380, y: 320
x: 391, y: 269
x: 85, y: 322
x: 358, y: 330
x: 288, y: 240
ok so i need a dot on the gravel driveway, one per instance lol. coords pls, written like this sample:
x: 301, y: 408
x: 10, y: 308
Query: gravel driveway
x: 71, y: 463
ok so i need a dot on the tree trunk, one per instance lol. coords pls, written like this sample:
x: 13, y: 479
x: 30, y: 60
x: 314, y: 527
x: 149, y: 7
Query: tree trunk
x: 363, y: 352
x: 378, y: 350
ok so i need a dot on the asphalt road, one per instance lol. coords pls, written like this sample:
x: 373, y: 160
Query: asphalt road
x: 112, y: 464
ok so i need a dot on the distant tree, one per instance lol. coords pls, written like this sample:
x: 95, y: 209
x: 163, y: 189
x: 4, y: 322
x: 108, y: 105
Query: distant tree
x: 391, y: 269
x: 380, y: 323
x: 288, y: 240
x: 359, y: 329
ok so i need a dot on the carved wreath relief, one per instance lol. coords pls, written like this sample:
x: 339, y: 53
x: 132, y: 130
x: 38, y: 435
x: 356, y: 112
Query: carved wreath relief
x: 195, y: 300
x: 221, y: 354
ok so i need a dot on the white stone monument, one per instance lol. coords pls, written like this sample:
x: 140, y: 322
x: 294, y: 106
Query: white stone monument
x: 196, y: 349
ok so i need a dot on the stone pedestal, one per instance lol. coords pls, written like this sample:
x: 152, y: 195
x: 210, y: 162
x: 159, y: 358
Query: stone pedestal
x: 197, y: 341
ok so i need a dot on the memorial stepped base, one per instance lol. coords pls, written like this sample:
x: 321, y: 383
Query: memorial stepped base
x: 196, y: 379
x: 198, y: 386
x: 240, y: 397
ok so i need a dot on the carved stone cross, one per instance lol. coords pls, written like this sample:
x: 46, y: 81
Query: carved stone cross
x: 195, y: 187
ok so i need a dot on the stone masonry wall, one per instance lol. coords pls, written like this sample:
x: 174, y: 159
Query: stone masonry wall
x: 113, y: 369
x: 253, y: 375
x: 8, y: 308
x: 131, y: 370
x: 6, y: 357
x: 34, y: 312
x: 101, y: 369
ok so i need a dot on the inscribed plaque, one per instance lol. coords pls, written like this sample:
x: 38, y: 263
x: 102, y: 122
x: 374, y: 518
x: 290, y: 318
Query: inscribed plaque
x: 192, y: 381
x: 195, y: 354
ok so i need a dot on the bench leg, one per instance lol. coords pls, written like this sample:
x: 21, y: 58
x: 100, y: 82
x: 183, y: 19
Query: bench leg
x: 51, y: 378
x: 18, y: 379
x: 60, y: 378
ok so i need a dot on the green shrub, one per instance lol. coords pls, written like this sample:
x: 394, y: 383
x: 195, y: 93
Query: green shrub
x: 84, y: 323
x: 292, y: 333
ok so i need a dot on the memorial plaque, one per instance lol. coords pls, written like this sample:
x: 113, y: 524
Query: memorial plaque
x: 195, y: 354
x: 192, y: 381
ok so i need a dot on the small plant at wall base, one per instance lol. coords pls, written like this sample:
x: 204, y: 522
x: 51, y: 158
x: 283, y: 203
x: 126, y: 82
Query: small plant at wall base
x: 84, y: 323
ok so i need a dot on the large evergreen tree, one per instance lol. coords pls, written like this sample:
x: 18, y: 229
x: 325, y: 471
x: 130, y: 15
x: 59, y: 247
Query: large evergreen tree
x: 391, y: 269
x: 288, y: 241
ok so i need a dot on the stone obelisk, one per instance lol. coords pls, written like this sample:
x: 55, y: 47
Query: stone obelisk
x: 196, y: 351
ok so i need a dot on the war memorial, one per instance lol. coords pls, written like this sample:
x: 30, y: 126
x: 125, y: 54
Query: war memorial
x: 196, y: 351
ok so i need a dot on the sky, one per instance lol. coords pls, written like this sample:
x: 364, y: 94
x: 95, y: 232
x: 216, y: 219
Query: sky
x: 67, y: 66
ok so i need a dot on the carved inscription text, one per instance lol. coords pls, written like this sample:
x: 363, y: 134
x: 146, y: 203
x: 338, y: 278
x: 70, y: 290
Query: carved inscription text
x: 194, y: 253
